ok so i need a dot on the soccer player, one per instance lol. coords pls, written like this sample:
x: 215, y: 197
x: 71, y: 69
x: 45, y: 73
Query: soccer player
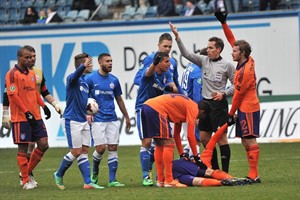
x: 164, y: 45
x: 155, y: 80
x: 216, y: 71
x: 42, y: 89
x: 188, y: 173
x: 245, y: 100
x: 191, y: 84
x: 75, y: 124
x: 105, y: 88
x: 27, y: 124
x: 156, y: 114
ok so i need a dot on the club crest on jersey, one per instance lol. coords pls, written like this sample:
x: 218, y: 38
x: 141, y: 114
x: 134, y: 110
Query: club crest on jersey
x: 32, y: 79
x: 112, y: 85
x: 12, y: 88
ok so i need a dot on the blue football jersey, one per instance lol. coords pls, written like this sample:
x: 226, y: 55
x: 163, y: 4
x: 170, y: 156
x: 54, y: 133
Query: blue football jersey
x: 151, y: 87
x: 104, y: 89
x: 77, y: 91
x: 148, y: 61
x: 191, y: 82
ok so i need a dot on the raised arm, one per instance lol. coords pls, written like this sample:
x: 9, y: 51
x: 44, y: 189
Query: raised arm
x: 228, y: 33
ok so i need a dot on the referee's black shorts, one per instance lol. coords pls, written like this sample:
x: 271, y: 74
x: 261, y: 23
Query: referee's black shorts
x: 216, y: 117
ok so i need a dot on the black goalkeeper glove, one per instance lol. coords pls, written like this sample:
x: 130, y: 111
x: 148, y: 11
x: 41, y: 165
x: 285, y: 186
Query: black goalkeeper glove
x: 230, y: 120
x: 221, y: 16
x: 30, y: 118
x: 47, y: 112
x: 185, y: 156
x: 199, y: 162
x: 168, y: 88
x: 157, y: 59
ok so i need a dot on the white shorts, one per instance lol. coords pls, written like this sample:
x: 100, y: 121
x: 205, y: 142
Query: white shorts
x: 105, y: 132
x: 78, y: 133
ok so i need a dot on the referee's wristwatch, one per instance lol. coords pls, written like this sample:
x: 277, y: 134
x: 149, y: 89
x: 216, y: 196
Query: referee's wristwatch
x: 224, y: 95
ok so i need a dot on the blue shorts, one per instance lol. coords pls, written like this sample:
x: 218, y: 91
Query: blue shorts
x: 24, y: 133
x: 247, y: 124
x: 185, y: 171
x: 155, y: 125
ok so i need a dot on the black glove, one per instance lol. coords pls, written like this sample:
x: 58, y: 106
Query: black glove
x: 47, y: 112
x: 168, y: 88
x: 221, y: 16
x: 185, y: 156
x: 230, y: 120
x: 30, y: 118
x: 199, y: 162
x: 157, y: 59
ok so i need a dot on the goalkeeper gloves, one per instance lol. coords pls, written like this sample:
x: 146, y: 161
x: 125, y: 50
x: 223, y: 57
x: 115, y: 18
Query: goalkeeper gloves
x: 47, y: 112
x: 57, y: 108
x: 199, y: 162
x: 30, y: 118
x: 168, y: 88
x: 6, y: 119
x: 230, y: 120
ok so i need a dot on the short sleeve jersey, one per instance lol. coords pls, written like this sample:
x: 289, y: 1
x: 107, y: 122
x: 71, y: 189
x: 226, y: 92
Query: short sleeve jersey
x: 23, y: 84
x: 104, y: 89
x: 191, y: 82
x: 148, y: 61
x: 149, y: 87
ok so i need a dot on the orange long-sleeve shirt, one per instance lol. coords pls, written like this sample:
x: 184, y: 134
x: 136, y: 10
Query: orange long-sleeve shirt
x: 22, y: 94
x: 178, y: 109
x: 245, y: 96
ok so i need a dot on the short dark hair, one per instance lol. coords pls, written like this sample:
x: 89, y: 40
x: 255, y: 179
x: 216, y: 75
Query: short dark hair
x: 21, y: 51
x: 165, y: 36
x: 244, y: 46
x: 103, y: 55
x: 219, y: 42
x: 29, y: 48
x: 79, y: 59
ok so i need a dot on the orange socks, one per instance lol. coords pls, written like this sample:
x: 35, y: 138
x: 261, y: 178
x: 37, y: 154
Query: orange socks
x: 168, y: 156
x: 210, y: 182
x: 35, y: 158
x: 219, y: 175
x: 23, y: 166
x: 253, y: 156
x: 158, y: 156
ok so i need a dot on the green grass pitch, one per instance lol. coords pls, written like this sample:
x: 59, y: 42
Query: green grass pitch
x: 279, y: 168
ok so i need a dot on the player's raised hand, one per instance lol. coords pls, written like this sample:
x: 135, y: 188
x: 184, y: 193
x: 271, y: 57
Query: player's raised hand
x: 221, y: 16
x: 88, y: 62
x: 174, y: 30
x: 157, y: 59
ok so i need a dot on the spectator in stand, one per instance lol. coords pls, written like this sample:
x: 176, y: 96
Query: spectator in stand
x: 263, y: 4
x: 53, y: 17
x: 42, y: 17
x: 192, y: 8
x: 30, y: 16
x: 165, y: 8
